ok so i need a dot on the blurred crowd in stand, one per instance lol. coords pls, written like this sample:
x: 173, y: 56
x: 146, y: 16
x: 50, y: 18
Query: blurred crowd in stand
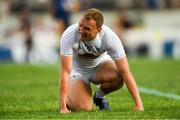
x: 31, y: 29
x: 31, y: 33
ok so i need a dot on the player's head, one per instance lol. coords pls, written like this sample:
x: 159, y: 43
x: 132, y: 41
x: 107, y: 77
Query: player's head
x: 90, y: 24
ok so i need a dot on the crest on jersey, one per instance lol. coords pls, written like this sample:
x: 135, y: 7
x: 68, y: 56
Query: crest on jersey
x: 90, y: 49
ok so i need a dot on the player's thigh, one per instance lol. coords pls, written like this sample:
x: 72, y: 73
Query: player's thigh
x: 107, y: 71
x: 80, y: 95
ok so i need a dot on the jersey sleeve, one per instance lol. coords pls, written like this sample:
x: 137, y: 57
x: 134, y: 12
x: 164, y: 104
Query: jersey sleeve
x: 66, y: 42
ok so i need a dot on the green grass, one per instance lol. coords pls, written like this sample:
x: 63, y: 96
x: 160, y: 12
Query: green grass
x: 31, y: 92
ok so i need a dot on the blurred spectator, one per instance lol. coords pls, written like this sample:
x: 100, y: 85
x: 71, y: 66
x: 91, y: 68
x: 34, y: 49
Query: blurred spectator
x: 25, y: 27
x: 125, y: 4
x: 127, y: 23
x: 44, y: 40
x: 174, y: 3
x: 10, y: 39
x: 122, y: 24
x: 61, y: 11
x: 17, y: 30
x: 155, y: 4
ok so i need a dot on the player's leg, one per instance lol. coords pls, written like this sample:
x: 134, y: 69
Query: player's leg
x: 108, y: 77
x: 109, y: 80
x: 80, y: 96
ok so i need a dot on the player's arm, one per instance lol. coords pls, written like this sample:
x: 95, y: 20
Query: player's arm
x: 123, y: 69
x: 66, y: 66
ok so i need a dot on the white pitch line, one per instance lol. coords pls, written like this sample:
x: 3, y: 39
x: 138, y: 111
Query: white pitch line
x: 158, y: 93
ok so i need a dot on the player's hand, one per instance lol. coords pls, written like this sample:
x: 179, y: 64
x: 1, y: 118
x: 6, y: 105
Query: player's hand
x: 64, y: 110
x: 139, y: 108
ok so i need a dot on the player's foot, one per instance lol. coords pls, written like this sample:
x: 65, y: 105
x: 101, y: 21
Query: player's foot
x: 102, y: 103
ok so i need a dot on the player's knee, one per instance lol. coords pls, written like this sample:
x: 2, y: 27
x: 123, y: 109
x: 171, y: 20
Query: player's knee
x: 83, y: 107
x: 86, y: 108
x: 109, y: 76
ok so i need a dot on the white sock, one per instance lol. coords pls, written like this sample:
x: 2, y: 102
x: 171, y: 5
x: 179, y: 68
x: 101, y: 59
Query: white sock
x: 100, y: 93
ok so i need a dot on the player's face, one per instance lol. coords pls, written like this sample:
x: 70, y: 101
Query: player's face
x: 87, y: 29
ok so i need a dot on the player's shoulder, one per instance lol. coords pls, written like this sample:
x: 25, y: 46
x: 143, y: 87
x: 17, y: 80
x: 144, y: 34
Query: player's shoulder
x: 72, y: 27
x: 71, y: 30
x: 106, y: 28
x: 108, y: 32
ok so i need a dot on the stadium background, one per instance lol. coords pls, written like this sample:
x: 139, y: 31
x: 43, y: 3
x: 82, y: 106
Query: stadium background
x: 146, y: 28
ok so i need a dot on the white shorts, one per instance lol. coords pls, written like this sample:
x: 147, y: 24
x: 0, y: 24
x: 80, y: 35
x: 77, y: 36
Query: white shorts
x: 87, y: 75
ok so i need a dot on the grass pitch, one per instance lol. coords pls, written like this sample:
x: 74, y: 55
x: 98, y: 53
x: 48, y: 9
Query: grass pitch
x: 31, y: 92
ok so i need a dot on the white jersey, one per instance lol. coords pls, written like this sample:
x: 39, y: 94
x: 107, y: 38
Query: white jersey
x: 87, y: 55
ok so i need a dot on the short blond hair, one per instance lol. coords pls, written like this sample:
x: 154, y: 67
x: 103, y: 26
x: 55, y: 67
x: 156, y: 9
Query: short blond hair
x: 96, y: 15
